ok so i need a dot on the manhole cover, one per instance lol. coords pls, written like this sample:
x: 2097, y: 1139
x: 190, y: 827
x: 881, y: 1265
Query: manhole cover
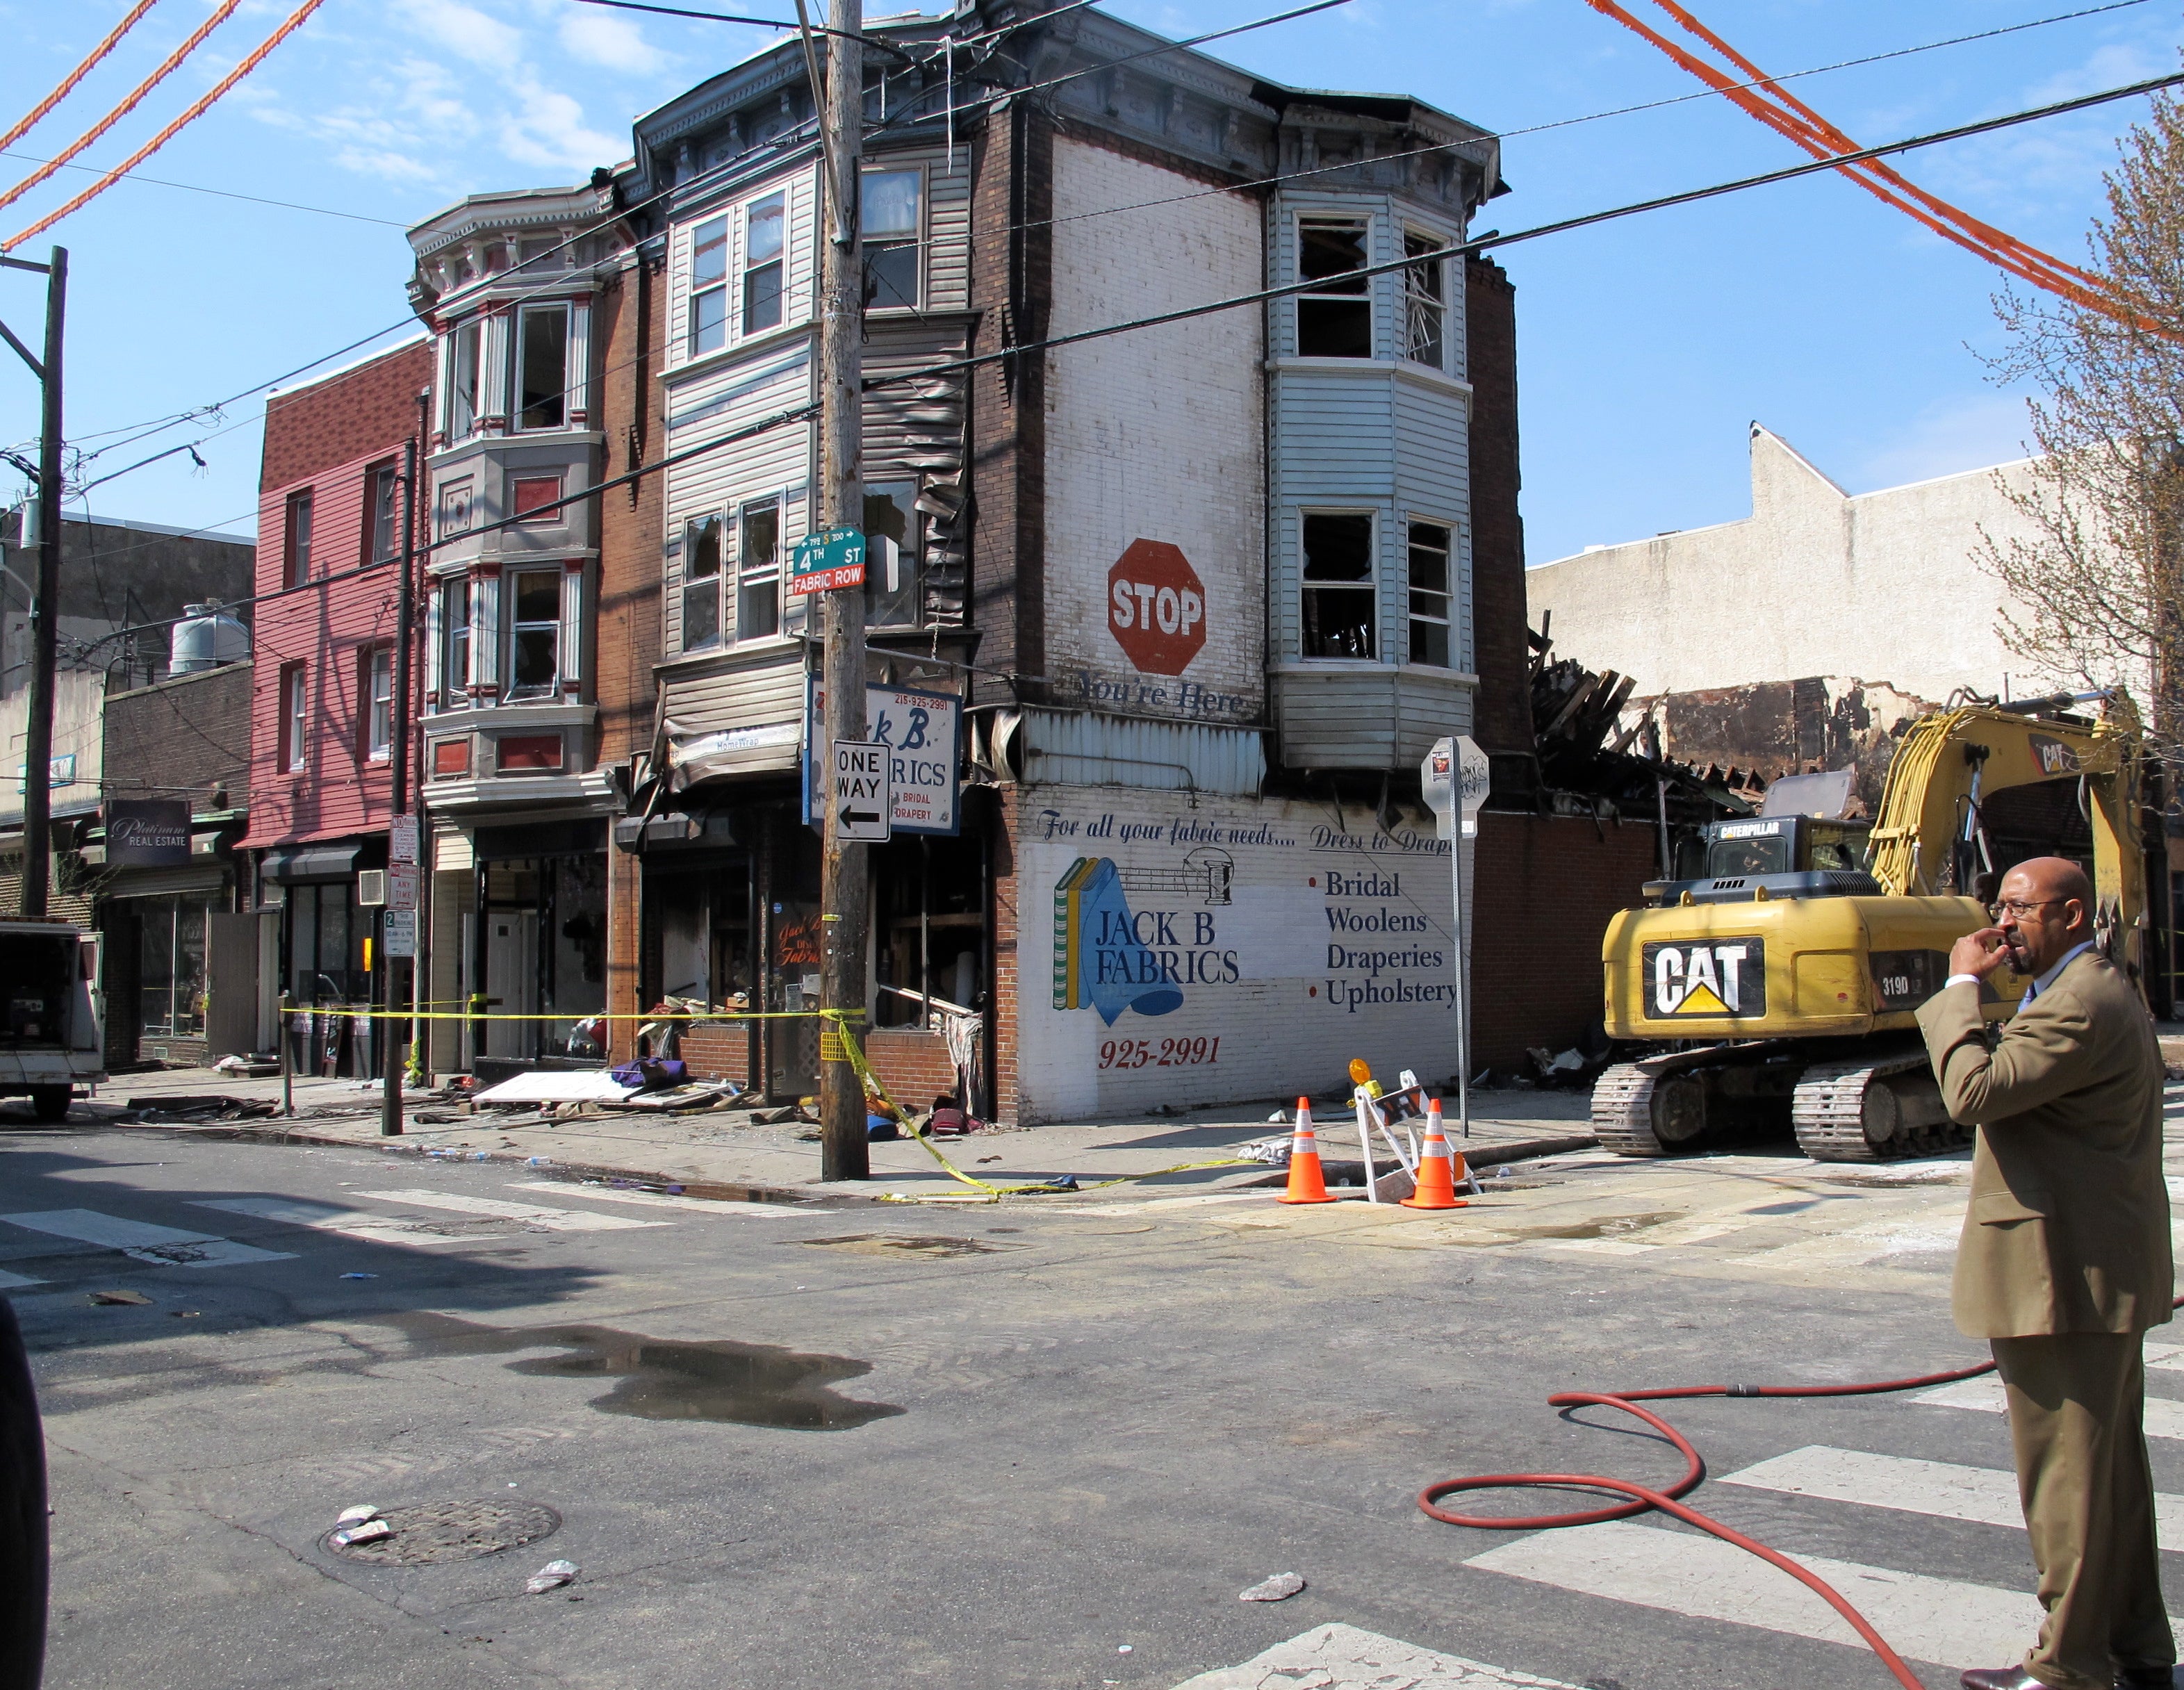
x: 427, y: 1532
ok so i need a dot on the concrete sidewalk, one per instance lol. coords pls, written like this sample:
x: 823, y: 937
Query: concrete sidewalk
x: 723, y: 1152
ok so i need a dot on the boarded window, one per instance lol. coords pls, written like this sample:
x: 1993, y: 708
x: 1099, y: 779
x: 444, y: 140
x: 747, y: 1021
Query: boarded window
x: 1334, y: 319
x: 1340, y: 603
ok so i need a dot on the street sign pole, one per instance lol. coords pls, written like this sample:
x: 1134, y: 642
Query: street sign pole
x: 1454, y: 779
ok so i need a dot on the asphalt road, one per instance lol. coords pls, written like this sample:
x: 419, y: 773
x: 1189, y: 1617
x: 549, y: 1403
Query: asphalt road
x: 959, y: 1446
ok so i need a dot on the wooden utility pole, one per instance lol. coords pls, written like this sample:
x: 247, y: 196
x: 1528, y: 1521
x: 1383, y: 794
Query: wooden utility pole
x: 402, y: 971
x: 44, y: 603
x: 845, y: 874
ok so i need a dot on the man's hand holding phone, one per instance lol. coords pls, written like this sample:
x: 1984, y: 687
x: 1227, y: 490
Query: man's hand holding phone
x: 1986, y: 952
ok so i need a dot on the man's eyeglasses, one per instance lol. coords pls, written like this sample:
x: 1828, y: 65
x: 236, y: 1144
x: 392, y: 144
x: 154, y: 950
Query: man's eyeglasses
x: 2020, y: 907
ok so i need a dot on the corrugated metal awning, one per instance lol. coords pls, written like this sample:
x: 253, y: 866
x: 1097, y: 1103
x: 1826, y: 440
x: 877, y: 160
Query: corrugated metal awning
x: 285, y: 864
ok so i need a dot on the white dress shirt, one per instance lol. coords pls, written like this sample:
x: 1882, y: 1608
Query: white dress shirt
x: 2040, y: 985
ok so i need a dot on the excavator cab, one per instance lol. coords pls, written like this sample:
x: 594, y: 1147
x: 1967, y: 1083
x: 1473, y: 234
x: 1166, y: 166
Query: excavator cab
x: 1774, y: 856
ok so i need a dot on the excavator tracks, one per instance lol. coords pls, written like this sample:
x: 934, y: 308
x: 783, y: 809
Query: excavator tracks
x: 1648, y: 1108
x: 1880, y: 1108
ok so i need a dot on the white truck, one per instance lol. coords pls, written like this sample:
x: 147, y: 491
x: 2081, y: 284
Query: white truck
x: 52, y: 1036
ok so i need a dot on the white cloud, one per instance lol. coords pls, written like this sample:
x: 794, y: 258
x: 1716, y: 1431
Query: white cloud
x: 466, y: 30
x: 1947, y: 437
x: 546, y: 128
x: 601, y: 38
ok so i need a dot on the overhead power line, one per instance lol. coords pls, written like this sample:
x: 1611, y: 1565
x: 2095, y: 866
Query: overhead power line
x: 1764, y: 99
x: 67, y: 83
x: 219, y: 193
x: 165, y: 68
x: 189, y: 115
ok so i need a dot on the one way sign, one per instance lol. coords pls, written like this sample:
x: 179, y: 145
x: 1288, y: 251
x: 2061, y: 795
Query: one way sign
x: 863, y: 805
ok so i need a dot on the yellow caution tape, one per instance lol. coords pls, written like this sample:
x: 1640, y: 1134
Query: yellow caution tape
x: 852, y: 1053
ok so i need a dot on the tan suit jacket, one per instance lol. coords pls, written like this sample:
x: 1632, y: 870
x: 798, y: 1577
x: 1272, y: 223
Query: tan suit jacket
x: 2068, y: 1229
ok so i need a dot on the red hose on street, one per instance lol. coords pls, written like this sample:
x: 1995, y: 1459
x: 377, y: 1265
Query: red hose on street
x: 1643, y: 1498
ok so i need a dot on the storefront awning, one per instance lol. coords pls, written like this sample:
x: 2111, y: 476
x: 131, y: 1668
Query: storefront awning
x: 287, y: 864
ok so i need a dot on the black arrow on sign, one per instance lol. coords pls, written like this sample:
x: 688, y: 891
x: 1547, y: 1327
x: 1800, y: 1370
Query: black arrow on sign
x: 850, y: 817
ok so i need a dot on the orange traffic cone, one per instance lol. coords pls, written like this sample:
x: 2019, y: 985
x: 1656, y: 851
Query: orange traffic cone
x: 1437, y: 1170
x: 1307, y: 1183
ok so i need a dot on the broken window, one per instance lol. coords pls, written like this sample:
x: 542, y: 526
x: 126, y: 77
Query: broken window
x: 891, y: 548
x: 764, y: 227
x: 455, y: 632
x: 1338, y: 600
x: 758, y: 574
x: 534, y: 656
x: 1334, y: 319
x: 1429, y: 593
x: 891, y: 229
x: 701, y: 583
x: 542, y: 362
x: 1425, y: 309
x: 709, y: 287
x: 463, y: 382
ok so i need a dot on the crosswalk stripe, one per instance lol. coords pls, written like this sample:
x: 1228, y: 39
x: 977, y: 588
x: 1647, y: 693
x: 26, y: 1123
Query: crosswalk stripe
x: 2164, y: 1417
x: 663, y: 1200
x: 553, y: 1220
x: 163, y: 1246
x: 1941, y: 1620
x: 325, y: 1217
x: 1986, y: 1495
x: 1340, y: 1657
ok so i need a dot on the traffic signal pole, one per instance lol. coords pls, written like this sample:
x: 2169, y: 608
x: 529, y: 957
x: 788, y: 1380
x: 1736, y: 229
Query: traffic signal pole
x: 845, y: 872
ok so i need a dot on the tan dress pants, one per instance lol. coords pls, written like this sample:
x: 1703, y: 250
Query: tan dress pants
x: 2076, y: 1402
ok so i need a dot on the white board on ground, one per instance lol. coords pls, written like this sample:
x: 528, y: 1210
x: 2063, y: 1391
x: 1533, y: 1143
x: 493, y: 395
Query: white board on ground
x: 1348, y: 1658
x: 575, y: 1085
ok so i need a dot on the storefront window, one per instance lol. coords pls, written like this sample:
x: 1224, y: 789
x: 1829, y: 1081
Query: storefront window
x: 170, y: 965
x: 325, y: 946
x: 545, y: 929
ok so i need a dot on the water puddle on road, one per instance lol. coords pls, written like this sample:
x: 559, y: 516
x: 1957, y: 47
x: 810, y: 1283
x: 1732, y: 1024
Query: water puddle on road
x: 665, y: 1378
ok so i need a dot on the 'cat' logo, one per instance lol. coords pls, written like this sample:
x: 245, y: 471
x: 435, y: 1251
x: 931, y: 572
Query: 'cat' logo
x: 1711, y: 977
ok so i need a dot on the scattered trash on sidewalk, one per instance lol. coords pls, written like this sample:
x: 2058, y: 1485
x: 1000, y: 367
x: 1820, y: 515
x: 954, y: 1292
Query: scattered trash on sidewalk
x: 984, y: 1160
x: 551, y: 1576
x: 1280, y: 1118
x: 1121, y: 1648
x: 365, y: 1531
x: 360, y: 1276
x: 539, y: 1161
x: 194, y: 1109
x: 119, y: 1298
x: 1273, y: 1151
x: 357, y: 1515
x: 247, y: 1067
x: 1278, y: 1588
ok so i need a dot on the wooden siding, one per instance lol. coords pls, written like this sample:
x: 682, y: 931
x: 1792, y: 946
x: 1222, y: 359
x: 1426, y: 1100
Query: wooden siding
x: 1367, y: 716
x: 800, y: 272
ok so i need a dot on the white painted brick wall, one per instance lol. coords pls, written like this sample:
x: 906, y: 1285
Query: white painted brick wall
x: 1293, y: 1015
x: 1157, y: 434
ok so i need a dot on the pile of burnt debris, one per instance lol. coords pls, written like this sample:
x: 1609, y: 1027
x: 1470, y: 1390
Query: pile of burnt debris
x: 1593, y: 761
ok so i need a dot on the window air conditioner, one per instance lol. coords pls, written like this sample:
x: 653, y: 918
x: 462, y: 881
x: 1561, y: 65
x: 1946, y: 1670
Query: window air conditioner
x: 371, y: 886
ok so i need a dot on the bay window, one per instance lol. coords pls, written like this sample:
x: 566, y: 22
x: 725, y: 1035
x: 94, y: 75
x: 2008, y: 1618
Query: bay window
x: 891, y: 556
x: 455, y: 643
x: 758, y: 572
x: 1334, y: 319
x: 542, y: 365
x: 765, y: 231
x: 466, y: 362
x: 1339, y: 605
x: 1425, y: 309
x: 1429, y: 593
x: 890, y: 202
x: 709, y: 287
x: 701, y: 584
x: 534, y: 642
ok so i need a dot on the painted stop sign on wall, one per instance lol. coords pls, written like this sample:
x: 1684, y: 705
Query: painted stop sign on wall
x: 1156, y: 607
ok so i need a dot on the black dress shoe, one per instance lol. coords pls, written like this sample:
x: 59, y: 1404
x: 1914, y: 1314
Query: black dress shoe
x: 2145, y: 1678
x: 2000, y: 1678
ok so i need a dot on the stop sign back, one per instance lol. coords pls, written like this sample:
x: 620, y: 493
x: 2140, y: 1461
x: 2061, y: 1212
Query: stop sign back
x: 1156, y: 607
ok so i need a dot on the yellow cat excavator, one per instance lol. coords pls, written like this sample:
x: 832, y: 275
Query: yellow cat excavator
x: 1782, y: 979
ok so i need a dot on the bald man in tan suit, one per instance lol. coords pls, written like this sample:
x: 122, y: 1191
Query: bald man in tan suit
x: 2063, y: 1263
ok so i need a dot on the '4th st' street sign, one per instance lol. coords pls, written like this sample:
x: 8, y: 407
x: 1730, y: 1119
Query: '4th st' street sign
x: 828, y: 558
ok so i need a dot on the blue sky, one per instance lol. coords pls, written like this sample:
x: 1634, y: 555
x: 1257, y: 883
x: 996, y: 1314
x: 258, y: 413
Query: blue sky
x: 1646, y: 347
